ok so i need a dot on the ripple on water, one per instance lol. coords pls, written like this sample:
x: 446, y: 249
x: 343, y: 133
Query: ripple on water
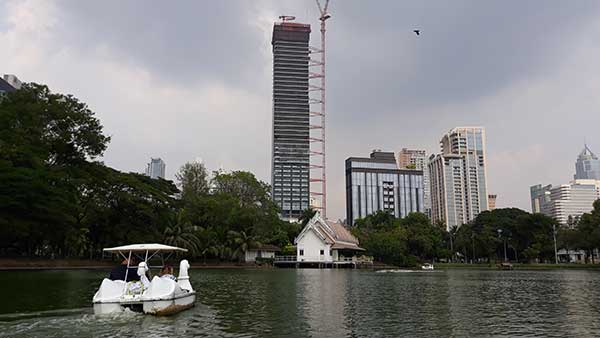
x: 346, y: 303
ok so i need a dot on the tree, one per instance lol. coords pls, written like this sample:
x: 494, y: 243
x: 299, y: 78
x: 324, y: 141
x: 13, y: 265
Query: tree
x: 181, y: 233
x: 193, y: 180
x: 39, y: 127
x: 588, y: 231
x: 307, y: 215
x: 242, y: 242
x: 46, y: 140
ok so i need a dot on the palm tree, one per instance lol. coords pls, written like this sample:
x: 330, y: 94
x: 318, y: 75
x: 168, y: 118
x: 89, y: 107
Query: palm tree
x: 307, y: 215
x: 180, y: 232
x: 242, y: 242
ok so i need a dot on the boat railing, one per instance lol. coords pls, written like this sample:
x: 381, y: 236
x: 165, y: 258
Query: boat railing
x: 284, y: 258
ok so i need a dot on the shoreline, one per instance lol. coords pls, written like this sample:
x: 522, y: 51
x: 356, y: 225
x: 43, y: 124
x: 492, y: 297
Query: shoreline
x: 16, y: 264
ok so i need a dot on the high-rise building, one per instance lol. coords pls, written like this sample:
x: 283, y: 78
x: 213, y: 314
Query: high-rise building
x: 417, y: 159
x: 492, y: 201
x: 156, y: 168
x: 375, y: 183
x: 587, y: 166
x: 540, y: 198
x: 458, y: 177
x: 13, y: 81
x: 6, y: 86
x: 572, y: 200
x: 290, y: 179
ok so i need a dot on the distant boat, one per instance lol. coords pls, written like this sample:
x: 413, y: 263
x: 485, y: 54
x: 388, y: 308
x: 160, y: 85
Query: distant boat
x: 427, y: 266
x: 161, y: 296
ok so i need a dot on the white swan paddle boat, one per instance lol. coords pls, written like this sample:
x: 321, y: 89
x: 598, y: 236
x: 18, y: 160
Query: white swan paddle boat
x: 161, y: 296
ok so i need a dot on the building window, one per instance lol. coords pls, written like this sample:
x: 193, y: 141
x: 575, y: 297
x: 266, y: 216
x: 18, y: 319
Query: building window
x: 301, y: 252
x: 322, y: 252
x: 330, y: 252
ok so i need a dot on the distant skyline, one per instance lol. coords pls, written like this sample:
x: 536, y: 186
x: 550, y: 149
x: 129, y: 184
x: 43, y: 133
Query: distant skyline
x: 200, y: 72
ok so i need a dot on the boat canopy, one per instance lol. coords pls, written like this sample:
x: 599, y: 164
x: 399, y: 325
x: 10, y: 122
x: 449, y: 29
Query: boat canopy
x: 153, y: 247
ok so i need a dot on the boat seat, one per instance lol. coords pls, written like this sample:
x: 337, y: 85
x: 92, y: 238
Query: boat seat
x: 109, y: 290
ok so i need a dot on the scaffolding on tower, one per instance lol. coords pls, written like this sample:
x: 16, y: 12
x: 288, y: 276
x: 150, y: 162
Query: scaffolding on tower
x: 318, y: 183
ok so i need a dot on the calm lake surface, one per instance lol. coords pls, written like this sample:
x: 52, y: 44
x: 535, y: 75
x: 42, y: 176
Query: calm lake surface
x: 318, y: 303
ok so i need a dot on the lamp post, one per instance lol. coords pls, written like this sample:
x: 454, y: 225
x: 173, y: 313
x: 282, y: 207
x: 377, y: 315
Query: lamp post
x: 473, y: 244
x: 504, y: 239
x: 554, y: 235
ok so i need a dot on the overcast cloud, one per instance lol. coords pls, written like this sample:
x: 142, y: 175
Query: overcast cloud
x: 192, y: 79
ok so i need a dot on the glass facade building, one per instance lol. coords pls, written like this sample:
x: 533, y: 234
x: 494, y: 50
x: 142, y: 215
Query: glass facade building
x: 376, y: 183
x: 458, y: 177
x: 156, y: 168
x: 290, y: 166
x: 540, y: 198
x: 587, y: 166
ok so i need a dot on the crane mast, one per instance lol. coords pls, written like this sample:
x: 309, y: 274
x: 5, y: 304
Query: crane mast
x: 318, y: 114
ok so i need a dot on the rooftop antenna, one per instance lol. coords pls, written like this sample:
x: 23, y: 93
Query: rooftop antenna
x: 318, y: 113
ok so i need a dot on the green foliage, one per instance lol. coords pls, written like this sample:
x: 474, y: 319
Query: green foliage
x: 585, y: 234
x: 526, y: 236
x: 307, y: 215
x: 55, y: 200
x: 400, y: 241
x: 193, y: 179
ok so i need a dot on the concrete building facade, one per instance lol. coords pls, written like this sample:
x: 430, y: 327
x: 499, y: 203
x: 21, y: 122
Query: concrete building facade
x: 375, y: 183
x: 458, y: 177
x: 568, y: 202
x: 417, y: 159
x: 492, y: 201
x: 290, y: 164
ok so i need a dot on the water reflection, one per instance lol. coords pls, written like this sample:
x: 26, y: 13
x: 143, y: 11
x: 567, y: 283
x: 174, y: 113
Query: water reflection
x: 323, y: 299
x: 320, y: 303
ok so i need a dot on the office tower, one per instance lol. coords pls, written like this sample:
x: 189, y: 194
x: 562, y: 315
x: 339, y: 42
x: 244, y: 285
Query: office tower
x: 587, y: 166
x: 156, y: 168
x: 540, y: 198
x: 458, y: 177
x: 375, y: 183
x: 13, y: 81
x: 572, y: 200
x: 5, y: 86
x: 291, y: 134
x: 492, y: 201
x: 417, y: 159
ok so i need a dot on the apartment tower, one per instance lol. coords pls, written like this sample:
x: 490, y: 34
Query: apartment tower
x: 458, y: 177
x: 417, y: 159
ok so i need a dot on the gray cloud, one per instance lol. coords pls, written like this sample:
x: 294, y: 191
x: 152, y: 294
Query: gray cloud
x: 192, y: 79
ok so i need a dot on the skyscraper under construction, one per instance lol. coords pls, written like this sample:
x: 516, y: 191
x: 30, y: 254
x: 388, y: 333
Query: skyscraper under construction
x: 291, y: 128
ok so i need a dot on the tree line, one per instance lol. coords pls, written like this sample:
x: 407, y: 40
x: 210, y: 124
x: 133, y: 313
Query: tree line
x: 501, y: 234
x: 58, y: 200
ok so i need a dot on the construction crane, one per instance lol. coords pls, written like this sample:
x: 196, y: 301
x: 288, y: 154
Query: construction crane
x: 319, y: 113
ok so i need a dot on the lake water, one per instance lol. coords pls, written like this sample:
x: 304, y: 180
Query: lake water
x: 318, y: 303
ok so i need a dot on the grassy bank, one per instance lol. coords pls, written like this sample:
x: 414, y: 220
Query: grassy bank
x: 519, y: 266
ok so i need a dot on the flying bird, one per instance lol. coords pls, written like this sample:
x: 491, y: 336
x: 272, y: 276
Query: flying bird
x: 417, y: 31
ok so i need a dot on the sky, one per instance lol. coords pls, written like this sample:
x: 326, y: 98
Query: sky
x: 189, y: 80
